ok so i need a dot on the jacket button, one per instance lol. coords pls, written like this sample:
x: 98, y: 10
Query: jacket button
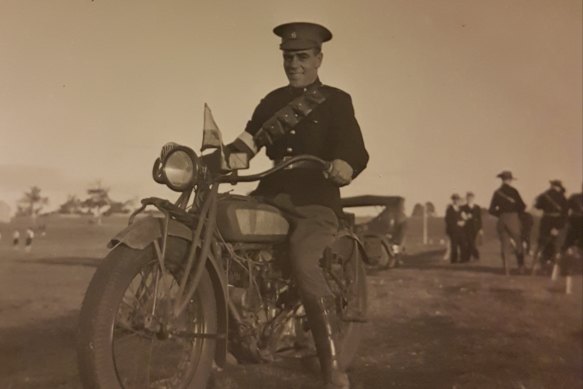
x: 292, y: 132
x: 289, y: 149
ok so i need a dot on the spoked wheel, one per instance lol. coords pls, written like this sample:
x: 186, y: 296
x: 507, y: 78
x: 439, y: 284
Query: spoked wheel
x: 347, y: 279
x: 128, y: 335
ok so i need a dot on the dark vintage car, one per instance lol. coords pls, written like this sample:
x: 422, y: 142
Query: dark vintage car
x: 383, y: 235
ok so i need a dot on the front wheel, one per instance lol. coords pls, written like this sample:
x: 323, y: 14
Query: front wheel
x: 346, y: 276
x: 128, y: 337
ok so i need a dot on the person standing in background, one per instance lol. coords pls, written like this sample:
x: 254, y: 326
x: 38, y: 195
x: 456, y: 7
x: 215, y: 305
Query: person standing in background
x: 506, y: 205
x: 473, y: 226
x: 553, y: 203
x: 15, y: 239
x: 29, y: 239
x: 455, y: 222
x: 573, y: 245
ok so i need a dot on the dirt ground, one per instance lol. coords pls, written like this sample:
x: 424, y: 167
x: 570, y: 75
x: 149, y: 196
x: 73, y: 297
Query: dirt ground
x: 430, y: 324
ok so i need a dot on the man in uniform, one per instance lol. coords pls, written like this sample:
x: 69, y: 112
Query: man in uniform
x: 507, y: 204
x: 553, y: 203
x: 455, y: 221
x: 573, y: 244
x: 473, y: 225
x: 308, y: 117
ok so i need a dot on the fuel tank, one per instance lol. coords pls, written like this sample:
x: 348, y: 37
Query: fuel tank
x: 245, y: 219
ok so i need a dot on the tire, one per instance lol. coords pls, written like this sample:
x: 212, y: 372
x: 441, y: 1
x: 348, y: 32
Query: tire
x: 350, y: 333
x: 99, y: 350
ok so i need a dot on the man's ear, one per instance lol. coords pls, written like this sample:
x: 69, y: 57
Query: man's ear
x: 320, y: 57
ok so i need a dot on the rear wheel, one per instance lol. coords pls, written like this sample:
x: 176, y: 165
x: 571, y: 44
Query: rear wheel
x: 128, y: 337
x: 347, y: 279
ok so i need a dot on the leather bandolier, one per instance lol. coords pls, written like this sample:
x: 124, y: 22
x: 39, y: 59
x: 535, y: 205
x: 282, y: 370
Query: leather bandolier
x: 288, y: 117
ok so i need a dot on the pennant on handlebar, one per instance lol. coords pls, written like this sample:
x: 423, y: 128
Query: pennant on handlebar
x: 211, y: 136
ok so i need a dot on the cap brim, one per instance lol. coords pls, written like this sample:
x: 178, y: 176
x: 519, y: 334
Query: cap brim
x: 299, y: 44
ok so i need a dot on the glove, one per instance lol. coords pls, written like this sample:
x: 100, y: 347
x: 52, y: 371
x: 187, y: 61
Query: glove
x: 340, y: 172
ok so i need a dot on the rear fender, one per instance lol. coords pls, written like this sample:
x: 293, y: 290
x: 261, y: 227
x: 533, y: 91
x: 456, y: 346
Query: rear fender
x: 143, y: 232
x: 346, y: 237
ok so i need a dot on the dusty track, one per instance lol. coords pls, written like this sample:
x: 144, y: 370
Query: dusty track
x: 431, y: 325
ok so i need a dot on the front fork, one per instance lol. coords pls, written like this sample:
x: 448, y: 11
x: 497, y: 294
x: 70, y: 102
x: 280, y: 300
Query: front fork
x: 200, y: 249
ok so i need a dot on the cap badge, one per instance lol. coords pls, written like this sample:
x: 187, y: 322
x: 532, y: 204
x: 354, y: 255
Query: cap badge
x: 293, y: 35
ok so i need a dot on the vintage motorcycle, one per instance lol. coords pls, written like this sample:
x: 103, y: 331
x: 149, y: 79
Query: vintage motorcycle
x: 193, y: 281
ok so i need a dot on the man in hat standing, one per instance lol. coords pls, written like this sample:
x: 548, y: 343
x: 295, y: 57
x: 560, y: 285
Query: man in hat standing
x: 554, y: 205
x: 455, y: 221
x: 573, y: 244
x: 506, y: 205
x: 308, y: 117
x: 473, y: 225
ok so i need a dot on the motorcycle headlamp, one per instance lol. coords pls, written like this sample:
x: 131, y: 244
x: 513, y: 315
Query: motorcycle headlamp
x: 177, y: 167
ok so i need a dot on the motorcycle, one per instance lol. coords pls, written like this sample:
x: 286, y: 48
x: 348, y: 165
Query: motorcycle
x: 204, y: 277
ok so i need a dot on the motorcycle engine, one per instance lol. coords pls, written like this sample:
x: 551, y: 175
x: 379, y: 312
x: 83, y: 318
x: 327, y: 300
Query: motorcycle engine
x: 255, y: 281
x: 259, y: 291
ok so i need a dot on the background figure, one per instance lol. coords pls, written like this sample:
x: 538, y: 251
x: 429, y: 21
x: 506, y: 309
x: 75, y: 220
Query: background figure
x: 473, y: 225
x: 553, y: 203
x: 455, y: 221
x: 573, y: 244
x: 28, y: 241
x: 15, y: 239
x: 507, y: 205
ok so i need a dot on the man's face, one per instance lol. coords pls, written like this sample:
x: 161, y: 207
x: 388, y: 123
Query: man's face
x: 301, y: 66
x: 470, y: 199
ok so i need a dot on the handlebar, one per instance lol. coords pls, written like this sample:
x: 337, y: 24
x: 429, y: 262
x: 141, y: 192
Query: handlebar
x: 234, y: 178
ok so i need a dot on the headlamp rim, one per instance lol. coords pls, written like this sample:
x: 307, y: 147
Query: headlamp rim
x: 161, y: 172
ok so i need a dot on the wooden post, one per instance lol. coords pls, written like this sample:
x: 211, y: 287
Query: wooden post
x: 424, y: 223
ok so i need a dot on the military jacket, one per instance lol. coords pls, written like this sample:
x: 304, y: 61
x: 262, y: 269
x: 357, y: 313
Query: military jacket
x: 330, y: 132
x: 553, y: 204
x: 474, y: 216
x: 452, y: 217
x: 506, y: 200
x: 575, y: 205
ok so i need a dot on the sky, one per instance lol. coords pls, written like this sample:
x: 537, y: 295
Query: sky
x: 447, y: 93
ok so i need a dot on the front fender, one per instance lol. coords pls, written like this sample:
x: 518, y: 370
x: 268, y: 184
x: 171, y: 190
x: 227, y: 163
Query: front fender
x: 143, y: 232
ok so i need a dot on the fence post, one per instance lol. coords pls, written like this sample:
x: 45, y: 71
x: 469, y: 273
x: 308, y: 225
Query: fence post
x: 425, y: 224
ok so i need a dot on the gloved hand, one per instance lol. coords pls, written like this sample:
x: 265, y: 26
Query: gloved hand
x: 340, y: 172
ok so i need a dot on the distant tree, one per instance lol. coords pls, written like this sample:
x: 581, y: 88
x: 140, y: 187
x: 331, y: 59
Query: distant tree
x: 31, y: 203
x: 73, y: 206
x: 98, y: 200
x: 122, y: 207
x: 417, y: 210
x: 430, y: 209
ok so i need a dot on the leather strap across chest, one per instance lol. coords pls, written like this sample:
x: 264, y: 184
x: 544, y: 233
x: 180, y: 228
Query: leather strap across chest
x: 505, y: 196
x: 288, y: 117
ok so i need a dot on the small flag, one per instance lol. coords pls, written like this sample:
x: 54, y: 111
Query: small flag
x: 211, y: 137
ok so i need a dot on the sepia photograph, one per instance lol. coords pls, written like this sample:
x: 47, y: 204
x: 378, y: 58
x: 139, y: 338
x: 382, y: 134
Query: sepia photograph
x: 315, y: 194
